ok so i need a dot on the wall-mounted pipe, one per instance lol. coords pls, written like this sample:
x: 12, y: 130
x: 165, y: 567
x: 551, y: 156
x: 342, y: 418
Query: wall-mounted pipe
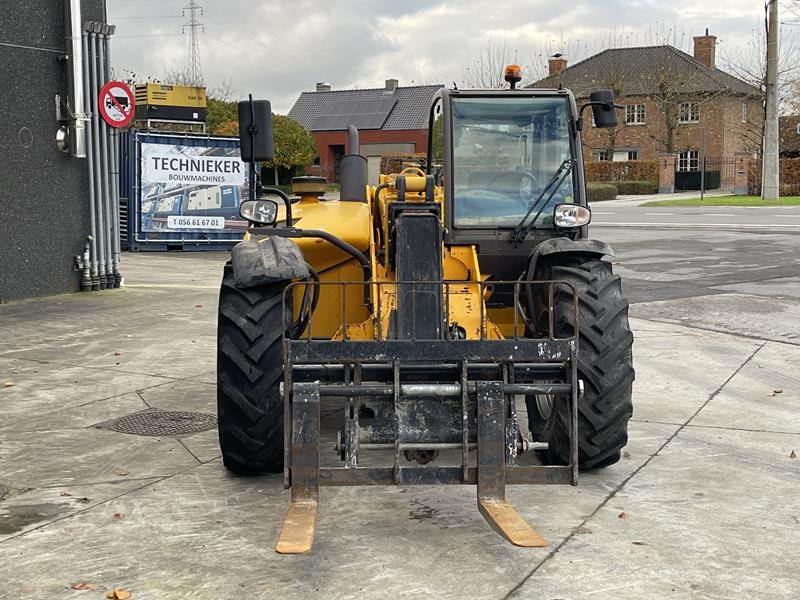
x: 110, y: 134
x: 91, y: 40
x: 77, y: 120
x: 104, y: 159
x: 90, y: 166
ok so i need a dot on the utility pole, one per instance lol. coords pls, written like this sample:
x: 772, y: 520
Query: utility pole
x: 194, y: 27
x: 770, y: 177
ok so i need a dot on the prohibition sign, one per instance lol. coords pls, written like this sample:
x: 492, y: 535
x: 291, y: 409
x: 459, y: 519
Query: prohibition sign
x: 115, y: 104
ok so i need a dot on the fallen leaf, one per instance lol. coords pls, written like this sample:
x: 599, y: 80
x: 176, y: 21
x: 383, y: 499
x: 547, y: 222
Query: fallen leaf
x: 66, y: 494
x: 82, y: 585
x: 8, y: 384
x: 792, y: 454
x: 83, y: 500
x: 623, y: 515
x: 124, y: 472
x: 118, y: 516
x: 198, y: 306
x: 118, y: 594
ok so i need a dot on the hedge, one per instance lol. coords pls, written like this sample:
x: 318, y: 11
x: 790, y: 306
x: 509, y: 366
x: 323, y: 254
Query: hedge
x: 630, y: 188
x: 626, y: 170
x: 789, y: 177
x: 596, y: 192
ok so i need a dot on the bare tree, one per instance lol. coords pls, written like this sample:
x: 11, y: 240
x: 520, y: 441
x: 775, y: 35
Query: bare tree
x: 182, y: 75
x: 748, y: 62
x: 488, y: 70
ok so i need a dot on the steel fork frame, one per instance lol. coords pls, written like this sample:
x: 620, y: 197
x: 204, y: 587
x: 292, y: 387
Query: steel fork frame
x: 494, y: 470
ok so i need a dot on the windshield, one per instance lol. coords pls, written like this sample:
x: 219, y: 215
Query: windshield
x: 505, y: 150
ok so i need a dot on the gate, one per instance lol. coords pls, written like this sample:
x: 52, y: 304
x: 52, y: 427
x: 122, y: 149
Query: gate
x: 718, y: 174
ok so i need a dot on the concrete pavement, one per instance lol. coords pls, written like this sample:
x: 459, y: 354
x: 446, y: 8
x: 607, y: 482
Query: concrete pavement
x: 702, y: 505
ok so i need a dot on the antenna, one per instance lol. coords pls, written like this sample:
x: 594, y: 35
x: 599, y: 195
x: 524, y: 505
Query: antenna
x: 195, y: 69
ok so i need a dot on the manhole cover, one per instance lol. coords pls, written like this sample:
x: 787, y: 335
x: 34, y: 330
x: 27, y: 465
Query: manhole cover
x: 156, y: 422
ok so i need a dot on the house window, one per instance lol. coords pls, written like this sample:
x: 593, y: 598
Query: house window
x: 602, y: 155
x: 744, y: 112
x: 633, y: 155
x: 634, y: 114
x: 689, y: 112
x: 688, y: 160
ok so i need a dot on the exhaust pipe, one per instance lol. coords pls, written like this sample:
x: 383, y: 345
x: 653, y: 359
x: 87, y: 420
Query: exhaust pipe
x: 78, y: 119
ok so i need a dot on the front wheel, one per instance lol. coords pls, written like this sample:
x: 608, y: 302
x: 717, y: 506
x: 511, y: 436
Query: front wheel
x: 249, y: 372
x: 605, y: 361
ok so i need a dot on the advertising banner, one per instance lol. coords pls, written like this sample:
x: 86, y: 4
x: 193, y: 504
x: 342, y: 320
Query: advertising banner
x: 191, y: 188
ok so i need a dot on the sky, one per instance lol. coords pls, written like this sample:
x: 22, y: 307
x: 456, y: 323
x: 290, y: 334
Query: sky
x: 276, y: 49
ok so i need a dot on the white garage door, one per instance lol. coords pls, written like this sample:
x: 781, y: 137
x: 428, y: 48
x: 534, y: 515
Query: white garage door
x: 373, y: 153
x: 373, y: 169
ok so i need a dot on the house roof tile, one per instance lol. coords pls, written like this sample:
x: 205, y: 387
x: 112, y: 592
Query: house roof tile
x: 639, y: 72
x: 409, y: 111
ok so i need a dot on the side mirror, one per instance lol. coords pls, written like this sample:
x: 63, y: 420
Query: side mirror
x: 603, y: 109
x: 263, y: 212
x: 255, y: 130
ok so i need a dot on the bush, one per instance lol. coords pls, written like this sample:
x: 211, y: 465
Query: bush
x: 789, y: 177
x: 596, y: 192
x: 636, y: 187
x: 626, y: 170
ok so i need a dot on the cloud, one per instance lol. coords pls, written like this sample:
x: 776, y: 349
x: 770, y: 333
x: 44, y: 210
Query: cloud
x: 276, y: 49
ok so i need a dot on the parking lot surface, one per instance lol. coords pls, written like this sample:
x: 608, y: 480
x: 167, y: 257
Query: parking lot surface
x: 703, y: 504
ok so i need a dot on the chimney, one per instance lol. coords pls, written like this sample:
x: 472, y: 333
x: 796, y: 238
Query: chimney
x: 705, y: 50
x: 323, y: 87
x: 556, y: 64
x: 391, y: 85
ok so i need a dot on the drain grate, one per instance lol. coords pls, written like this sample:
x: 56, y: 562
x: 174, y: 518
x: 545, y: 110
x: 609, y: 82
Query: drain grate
x: 158, y: 423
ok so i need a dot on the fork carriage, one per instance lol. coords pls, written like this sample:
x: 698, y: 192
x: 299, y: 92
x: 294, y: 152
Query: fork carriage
x: 424, y: 396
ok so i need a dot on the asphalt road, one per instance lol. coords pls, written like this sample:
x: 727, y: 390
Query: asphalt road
x: 783, y: 218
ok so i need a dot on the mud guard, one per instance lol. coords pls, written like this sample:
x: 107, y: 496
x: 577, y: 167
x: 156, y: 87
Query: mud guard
x: 267, y: 260
x: 563, y: 245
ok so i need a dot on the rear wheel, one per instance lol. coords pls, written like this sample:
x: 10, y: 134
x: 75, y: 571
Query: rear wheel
x: 249, y: 372
x: 605, y: 362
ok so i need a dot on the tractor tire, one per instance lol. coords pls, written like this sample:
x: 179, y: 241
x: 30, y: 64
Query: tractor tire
x: 605, y: 362
x: 249, y: 373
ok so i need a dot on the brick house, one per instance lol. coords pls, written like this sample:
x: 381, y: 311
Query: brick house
x: 671, y: 101
x: 389, y: 119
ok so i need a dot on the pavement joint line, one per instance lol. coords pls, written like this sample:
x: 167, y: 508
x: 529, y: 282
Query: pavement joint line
x: 152, y: 481
x: 720, y: 427
x: 185, y: 447
x: 81, y: 484
x: 636, y: 471
x: 704, y: 328
x: 55, y: 412
x: 101, y: 367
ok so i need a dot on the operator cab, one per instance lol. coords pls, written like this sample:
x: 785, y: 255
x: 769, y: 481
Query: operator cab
x: 507, y: 159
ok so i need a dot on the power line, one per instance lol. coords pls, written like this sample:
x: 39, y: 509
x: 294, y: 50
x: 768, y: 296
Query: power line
x: 194, y: 27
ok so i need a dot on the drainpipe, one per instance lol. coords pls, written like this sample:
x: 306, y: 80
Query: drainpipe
x: 113, y: 158
x: 77, y: 122
x: 98, y: 187
x: 103, y: 158
x: 95, y: 282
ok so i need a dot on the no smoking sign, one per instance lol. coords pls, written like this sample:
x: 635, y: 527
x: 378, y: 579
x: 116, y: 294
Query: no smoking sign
x: 115, y: 104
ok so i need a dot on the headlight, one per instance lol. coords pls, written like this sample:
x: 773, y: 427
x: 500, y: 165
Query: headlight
x: 571, y: 215
x: 259, y: 211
